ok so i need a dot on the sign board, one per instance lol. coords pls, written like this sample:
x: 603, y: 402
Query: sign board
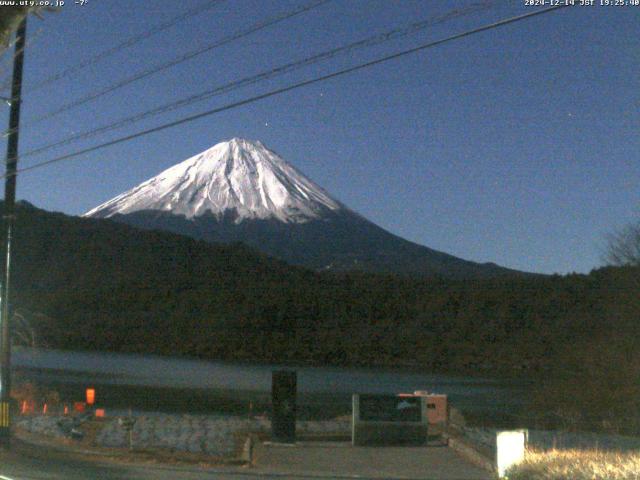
x: 389, y: 408
x: 388, y: 420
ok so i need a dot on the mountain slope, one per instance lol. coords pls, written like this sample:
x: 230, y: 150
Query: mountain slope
x: 240, y: 191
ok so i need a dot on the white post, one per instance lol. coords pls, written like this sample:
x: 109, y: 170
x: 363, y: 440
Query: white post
x: 509, y: 449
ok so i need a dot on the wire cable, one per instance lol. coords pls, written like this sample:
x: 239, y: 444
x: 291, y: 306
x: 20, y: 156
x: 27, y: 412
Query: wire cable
x: 289, y: 88
x: 274, y: 72
x: 188, y: 56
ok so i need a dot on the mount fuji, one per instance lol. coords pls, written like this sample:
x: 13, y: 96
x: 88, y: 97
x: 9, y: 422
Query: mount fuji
x: 240, y: 191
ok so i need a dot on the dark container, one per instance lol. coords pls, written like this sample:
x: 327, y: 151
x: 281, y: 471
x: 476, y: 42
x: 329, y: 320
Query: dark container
x: 283, y: 401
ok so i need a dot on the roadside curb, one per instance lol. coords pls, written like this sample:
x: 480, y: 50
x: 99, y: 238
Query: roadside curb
x: 52, y: 445
x: 140, y: 461
x: 469, y: 452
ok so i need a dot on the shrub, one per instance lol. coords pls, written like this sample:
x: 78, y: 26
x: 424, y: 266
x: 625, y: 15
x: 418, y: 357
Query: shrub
x: 577, y: 465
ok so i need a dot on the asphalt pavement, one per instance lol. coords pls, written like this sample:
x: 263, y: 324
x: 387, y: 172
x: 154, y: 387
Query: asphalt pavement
x: 307, y: 461
x: 341, y: 459
x: 26, y: 462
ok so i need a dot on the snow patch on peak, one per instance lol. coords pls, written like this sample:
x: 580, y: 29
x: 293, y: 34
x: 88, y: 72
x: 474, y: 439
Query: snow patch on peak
x: 239, y: 175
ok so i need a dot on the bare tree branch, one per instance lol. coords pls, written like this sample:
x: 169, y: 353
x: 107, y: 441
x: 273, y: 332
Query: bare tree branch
x: 623, y: 246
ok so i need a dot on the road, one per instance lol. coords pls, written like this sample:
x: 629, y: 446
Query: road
x: 332, y: 459
x: 27, y: 462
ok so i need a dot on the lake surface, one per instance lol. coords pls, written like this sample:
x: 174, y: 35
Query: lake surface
x: 132, y: 375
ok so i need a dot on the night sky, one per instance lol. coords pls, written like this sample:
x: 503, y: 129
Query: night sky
x: 519, y: 145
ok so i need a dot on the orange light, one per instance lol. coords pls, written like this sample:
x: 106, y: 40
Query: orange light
x: 44, y: 409
x: 91, y: 396
x: 79, y: 407
x: 66, y: 409
x: 99, y: 412
x: 23, y: 410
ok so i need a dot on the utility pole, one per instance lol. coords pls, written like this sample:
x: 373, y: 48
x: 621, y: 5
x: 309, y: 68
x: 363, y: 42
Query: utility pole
x: 8, y: 217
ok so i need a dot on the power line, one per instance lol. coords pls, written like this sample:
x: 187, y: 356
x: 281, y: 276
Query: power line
x: 289, y: 88
x: 188, y: 56
x: 280, y: 70
x: 125, y: 44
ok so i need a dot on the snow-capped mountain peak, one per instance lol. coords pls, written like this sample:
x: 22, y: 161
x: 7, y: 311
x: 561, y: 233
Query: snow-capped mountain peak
x: 238, y: 175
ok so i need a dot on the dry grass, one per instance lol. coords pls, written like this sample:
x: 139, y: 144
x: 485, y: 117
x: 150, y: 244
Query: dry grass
x: 577, y: 465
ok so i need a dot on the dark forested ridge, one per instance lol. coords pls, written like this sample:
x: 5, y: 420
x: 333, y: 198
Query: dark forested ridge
x: 96, y: 284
